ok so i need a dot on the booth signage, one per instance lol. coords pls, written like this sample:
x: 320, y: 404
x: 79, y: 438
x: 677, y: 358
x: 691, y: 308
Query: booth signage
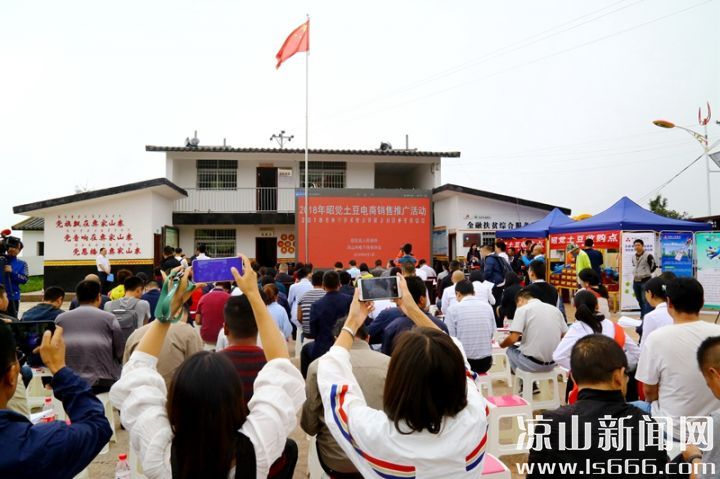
x: 601, y: 239
x: 676, y: 248
x: 708, y: 266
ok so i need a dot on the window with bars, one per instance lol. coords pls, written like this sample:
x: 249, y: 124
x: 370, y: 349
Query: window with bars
x: 217, y: 174
x: 324, y: 174
x: 219, y: 243
x: 488, y: 239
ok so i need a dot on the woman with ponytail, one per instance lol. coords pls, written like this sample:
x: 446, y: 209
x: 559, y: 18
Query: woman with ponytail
x: 589, y: 321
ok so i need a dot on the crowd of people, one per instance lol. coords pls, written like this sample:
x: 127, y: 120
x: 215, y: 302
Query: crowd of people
x: 206, y: 387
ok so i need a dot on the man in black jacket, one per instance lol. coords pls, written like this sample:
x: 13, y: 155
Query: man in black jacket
x: 543, y: 290
x: 600, y: 433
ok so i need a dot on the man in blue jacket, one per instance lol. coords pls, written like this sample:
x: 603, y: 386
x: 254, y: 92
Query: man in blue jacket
x: 53, y: 449
x: 49, y: 308
x: 15, y: 274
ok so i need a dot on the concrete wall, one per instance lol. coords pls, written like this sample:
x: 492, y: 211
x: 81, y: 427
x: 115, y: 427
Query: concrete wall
x: 137, y: 215
x: 181, y: 168
x: 360, y: 175
x: 245, y: 238
x: 29, y: 253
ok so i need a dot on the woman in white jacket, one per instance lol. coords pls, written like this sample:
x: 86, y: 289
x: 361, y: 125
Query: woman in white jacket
x: 434, y: 419
x: 589, y: 321
x: 202, y: 427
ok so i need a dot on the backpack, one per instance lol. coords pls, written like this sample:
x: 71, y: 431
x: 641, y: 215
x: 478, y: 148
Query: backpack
x: 504, y: 265
x: 128, y: 318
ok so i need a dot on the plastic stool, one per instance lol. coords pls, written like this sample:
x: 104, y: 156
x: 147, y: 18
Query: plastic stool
x: 36, y: 392
x: 511, y: 406
x: 500, y: 369
x: 493, y: 468
x: 484, y: 380
x: 109, y: 413
x: 315, y: 470
x: 548, y: 382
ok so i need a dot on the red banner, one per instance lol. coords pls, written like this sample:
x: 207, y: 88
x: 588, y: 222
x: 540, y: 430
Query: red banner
x: 601, y: 239
x: 365, y: 229
x: 519, y: 243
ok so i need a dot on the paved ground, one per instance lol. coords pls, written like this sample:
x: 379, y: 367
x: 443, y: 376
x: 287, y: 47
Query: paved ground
x: 104, y: 465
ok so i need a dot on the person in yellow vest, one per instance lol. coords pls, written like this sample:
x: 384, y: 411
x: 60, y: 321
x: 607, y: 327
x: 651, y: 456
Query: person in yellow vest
x: 582, y: 260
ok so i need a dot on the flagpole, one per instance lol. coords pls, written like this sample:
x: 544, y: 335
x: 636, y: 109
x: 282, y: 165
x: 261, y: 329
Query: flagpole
x: 307, y: 171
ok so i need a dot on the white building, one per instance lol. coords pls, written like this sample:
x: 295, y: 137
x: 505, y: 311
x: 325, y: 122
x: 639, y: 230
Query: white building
x: 33, y: 253
x: 237, y: 200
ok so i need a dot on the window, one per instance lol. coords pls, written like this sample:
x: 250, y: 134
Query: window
x: 488, y: 239
x: 217, y: 174
x: 41, y: 248
x: 219, y: 243
x: 324, y: 174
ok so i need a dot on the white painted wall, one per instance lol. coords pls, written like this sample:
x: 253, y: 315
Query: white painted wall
x: 454, y: 212
x: 244, y: 238
x: 29, y: 254
x: 141, y: 213
x: 359, y: 175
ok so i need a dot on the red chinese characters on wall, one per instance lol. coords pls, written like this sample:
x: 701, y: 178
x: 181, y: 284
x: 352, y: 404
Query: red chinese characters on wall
x: 86, y: 234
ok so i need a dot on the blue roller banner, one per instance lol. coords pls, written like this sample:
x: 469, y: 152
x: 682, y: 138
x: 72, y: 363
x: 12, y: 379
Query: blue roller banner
x: 677, y: 252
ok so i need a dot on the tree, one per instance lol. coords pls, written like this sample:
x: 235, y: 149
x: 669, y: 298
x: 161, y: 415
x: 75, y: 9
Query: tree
x: 659, y: 205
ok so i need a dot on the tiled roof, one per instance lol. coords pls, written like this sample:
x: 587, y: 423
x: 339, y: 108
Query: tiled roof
x: 312, y: 151
x: 91, y: 195
x: 31, y: 224
x: 499, y: 197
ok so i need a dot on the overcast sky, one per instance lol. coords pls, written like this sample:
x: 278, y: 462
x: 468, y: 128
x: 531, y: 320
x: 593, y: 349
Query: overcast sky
x: 550, y: 101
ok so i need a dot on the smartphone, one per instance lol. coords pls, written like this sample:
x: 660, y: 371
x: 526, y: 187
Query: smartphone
x: 212, y: 270
x: 28, y: 336
x: 372, y: 289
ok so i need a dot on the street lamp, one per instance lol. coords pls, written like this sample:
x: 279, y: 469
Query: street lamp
x: 701, y: 138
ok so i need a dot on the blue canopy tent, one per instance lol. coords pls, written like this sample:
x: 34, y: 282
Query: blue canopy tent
x: 538, y: 229
x: 627, y: 215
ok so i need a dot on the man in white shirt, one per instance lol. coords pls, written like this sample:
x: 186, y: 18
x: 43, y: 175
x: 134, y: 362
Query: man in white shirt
x: 674, y: 386
x: 501, y: 250
x: 103, y: 268
x: 448, y: 296
x: 429, y: 271
x: 353, y: 270
x: 296, y: 292
x: 472, y: 322
x: 541, y: 327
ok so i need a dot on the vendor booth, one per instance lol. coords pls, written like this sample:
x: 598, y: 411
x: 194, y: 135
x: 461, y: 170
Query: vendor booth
x: 536, y: 232
x: 614, y: 232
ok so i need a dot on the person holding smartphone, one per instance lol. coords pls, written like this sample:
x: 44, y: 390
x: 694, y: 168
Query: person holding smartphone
x: 433, y: 421
x: 56, y: 449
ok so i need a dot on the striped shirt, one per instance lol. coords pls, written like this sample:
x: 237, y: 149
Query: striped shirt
x: 306, y: 301
x: 248, y: 361
x: 472, y: 322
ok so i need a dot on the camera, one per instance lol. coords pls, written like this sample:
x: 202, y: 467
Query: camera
x: 7, y: 241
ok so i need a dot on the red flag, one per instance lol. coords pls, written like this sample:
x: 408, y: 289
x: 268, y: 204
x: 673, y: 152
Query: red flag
x: 297, y: 41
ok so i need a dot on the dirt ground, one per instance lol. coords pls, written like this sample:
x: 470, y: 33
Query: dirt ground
x: 104, y: 465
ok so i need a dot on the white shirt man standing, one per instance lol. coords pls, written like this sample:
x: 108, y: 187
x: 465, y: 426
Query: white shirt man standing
x: 472, y: 322
x: 103, y: 268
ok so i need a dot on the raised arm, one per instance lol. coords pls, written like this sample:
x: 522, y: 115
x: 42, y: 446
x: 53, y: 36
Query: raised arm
x: 411, y: 310
x: 273, y: 344
x: 153, y: 340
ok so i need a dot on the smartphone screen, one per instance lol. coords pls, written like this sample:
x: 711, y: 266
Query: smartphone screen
x: 215, y: 269
x: 379, y: 288
x: 28, y: 336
